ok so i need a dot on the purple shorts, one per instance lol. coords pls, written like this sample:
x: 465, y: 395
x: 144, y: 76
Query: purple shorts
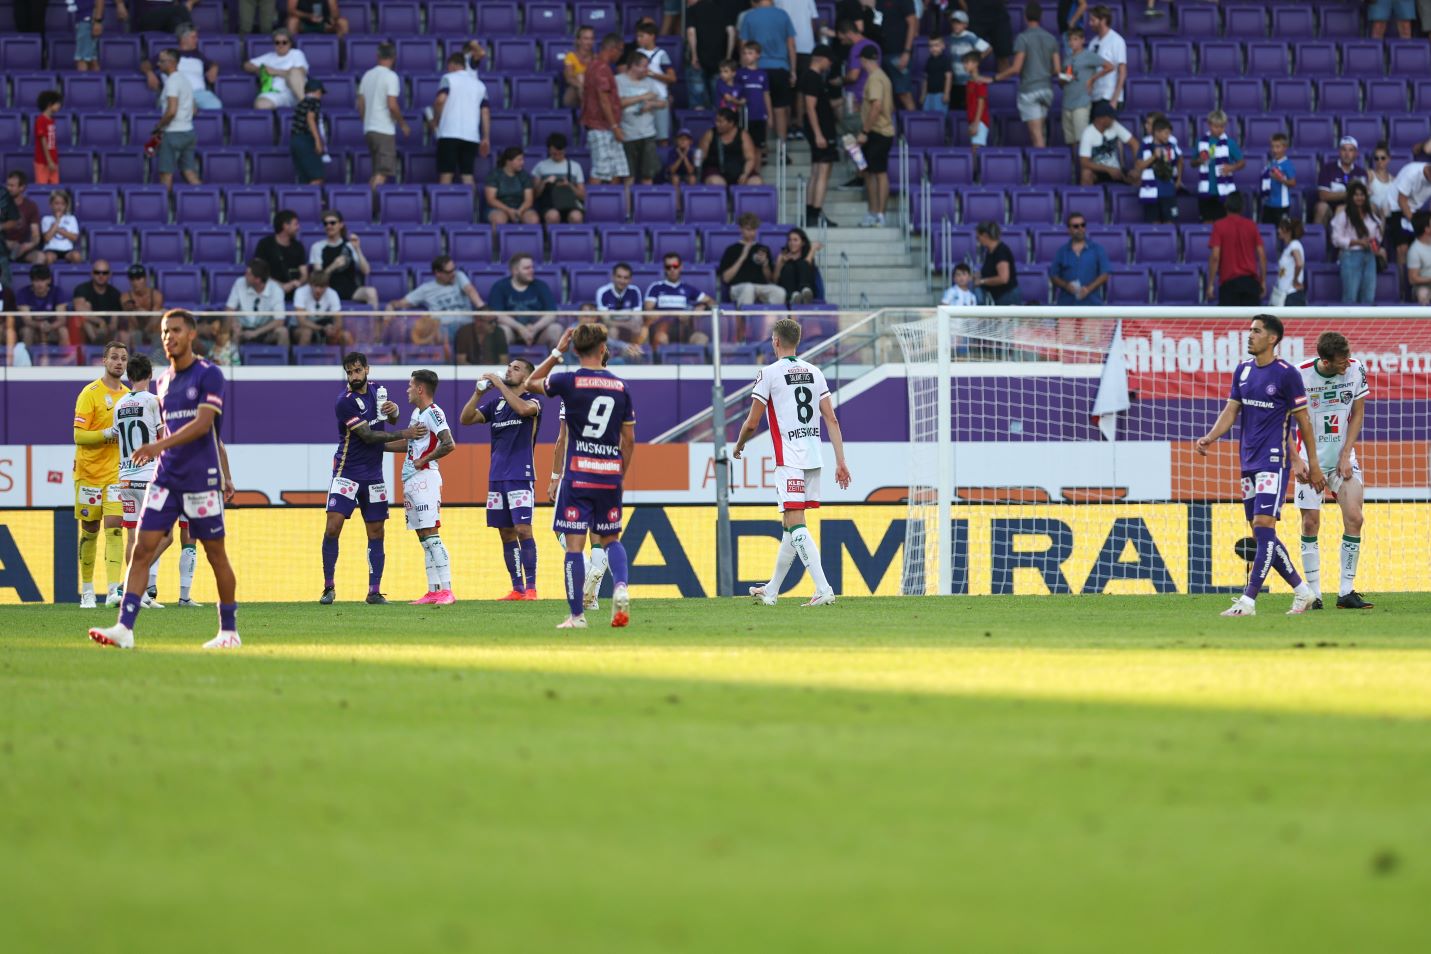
x: 583, y: 507
x: 204, y: 509
x: 509, y: 503
x: 371, y: 495
x: 1263, y: 492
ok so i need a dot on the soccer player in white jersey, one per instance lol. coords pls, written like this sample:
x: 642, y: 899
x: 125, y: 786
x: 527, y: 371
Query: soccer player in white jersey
x: 422, y: 483
x: 787, y: 394
x: 1336, y: 398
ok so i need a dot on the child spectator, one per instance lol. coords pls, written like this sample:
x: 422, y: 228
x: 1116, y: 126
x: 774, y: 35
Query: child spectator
x: 962, y: 42
x: 683, y: 162
x: 1218, y: 157
x: 1279, y: 178
x: 305, y: 135
x: 60, y: 230
x: 754, y: 86
x: 1083, y: 65
x: 224, y: 351
x: 41, y: 295
x: 1159, y: 170
x: 938, y: 77
x: 976, y: 102
x: 961, y: 294
x: 315, y: 312
x: 47, y: 149
x: 727, y: 91
x: 660, y: 70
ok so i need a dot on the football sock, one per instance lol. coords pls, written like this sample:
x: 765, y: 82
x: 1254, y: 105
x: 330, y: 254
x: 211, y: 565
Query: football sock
x: 88, y: 546
x: 512, y: 556
x: 432, y: 585
x: 114, y: 555
x: 529, y: 562
x: 330, y: 560
x: 188, y: 559
x: 154, y: 573
x: 1286, y: 569
x: 1351, y: 554
x: 809, y: 555
x: 129, y: 610
x: 227, y: 612
x: 783, y: 558
x: 441, y: 566
x: 1312, y: 564
x: 575, y: 583
x: 616, y: 560
x: 1270, y: 553
x: 596, y: 568
x: 376, y: 559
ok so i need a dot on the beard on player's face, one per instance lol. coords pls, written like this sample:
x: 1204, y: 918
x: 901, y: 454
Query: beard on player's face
x: 357, y: 379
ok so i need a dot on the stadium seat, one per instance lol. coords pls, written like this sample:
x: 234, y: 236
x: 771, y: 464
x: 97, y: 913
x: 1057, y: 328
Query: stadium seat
x: 515, y: 55
x: 547, y: 19
x: 623, y: 244
x: 263, y: 355
x: 213, y: 246
x: 322, y: 53
x: 606, y: 203
x: 271, y: 167
x: 20, y: 54
x: 497, y: 18
x: 1366, y: 128
x: 391, y: 283
x: 1389, y: 96
x: 1339, y: 96
x: 1315, y: 131
x: 115, y: 244
x: 1291, y: 95
x: 1171, y: 57
x: 1242, y: 96
x: 600, y: 16
x: 1220, y: 58
x: 376, y: 241
x: 397, y: 18
x: 533, y: 93
x: 1128, y: 286
x: 1001, y: 167
x: 1405, y: 132
x: 653, y: 204
x: 1197, y: 21
x: 353, y: 203
x: 248, y: 206
x: 1050, y: 167
x: 715, y: 239
x: 146, y: 205
x: 85, y: 91
x: 1363, y: 57
x: 305, y: 201
x: 470, y: 246
x: 507, y: 130
x: 182, y: 286
x: 520, y: 240
x: 318, y: 355
x: 572, y: 244
x: 223, y: 166
x: 759, y: 200
x: 983, y: 206
x: 450, y: 204
x: 1178, y: 286
x: 1194, y: 95
x: 98, y: 206
x: 400, y: 205
x: 1127, y: 209
x: 543, y: 123
x: 1155, y: 245
x: 162, y: 247
x: 1244, y: 21
x: 1316, y: 60
x: 418, y: 247
x: 1410, y: 58
x: 1034, y: 206
x: 682, y: 354
x: 676, y: 241
x: 1147, y: 93
x: 197, y: 205
x: 955, y: 167
x: 1339, y: 20
x: 1195, y: 243
x: 416, y: 56
x: 1033, y: 285
x: 923, y: 130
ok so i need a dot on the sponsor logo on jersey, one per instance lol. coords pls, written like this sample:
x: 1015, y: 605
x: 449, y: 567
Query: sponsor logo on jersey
x: 572, y: 514
x: 803, y: 376
x: 1346, y: 397
x: 799, y: 432
x: 794, y: 486
x: 605, y: 384
x: 613, y: 515
x: 1266, y: 405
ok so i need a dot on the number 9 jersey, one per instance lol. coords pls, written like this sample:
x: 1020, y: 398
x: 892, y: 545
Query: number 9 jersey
x: 791, y: 391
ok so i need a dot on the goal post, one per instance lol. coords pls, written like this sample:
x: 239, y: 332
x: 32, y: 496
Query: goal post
x: 1052, y: 450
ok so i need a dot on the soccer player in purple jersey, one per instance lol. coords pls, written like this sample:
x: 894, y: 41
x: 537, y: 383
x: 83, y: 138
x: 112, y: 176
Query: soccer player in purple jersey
x: 601, y: 425
x: 192, y: 479
x: 514, y: 416
x: 358, y: 473
x: 1267, y: 396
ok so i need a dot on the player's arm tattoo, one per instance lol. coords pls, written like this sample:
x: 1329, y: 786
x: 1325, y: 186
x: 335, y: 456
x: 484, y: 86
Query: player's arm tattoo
x: 445, y: 446
x: 364, y: 432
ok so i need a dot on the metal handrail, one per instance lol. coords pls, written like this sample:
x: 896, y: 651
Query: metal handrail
x: 905, y: 225
x: 780, y: 178
x: 844, y: 280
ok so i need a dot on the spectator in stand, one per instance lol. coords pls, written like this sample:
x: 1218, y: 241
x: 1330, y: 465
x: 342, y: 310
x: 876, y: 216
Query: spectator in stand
x: 1035, y: 63
x: 379, y: 105
x: 671, y: 293
x: 1357, y: 233
x: 262, y: 13
x: 509, y: 194
x: 852, y: 39
x: 1418, y: 259
x: 670, y: 17
x: 1291, y: 287
x: 340, y: 256
x: 998, y: 277
x: 640, y: 102
x: 820, y: 132
x: 161, y: 16
x: 99, y: 304
x: 795, y: 268
x: 749, y: 268
x: 938, y: 77
x: 961, y: 294
x: 462, y: 119
x: 962, y: 42
x: 1381, y: 184
x: 22, y: 224
x: 934, y: 18
x: 519, y: 301
x: 729, y: 157
x: 1423, y: 9
x: 282, y: 74
x: 305, y: 136
x: 316, y: 16
x: 1100, y: 151
x: 1279, y: 181
x: 287, y: 261
x: 481, y: 341
x: 661, y: 74
x: 1218, y: 157
x: 201, y: 73
x: 447, y: 295
x: 710, y: 40
x: 41, y: 295
x: 1334, y: 178
x: 727, y: 89
x: 1378, y: 12
x: 559, y: 185
x: 1237, y: 259
x: 622, y: 309
x: 88, y: 25
x: 574, y: 64
x: 145, y: 302
x: 1083, y: 65
x: 1080, y: 267
x: 601, y: 115
x: 859, y: 12
x: 60, y: 230
x: 990, y: 20
x: 753, y: 90
x: 899, y: 25
x: 175, y: 129
x: 255, y: 307
x: 1071, y: 15
x: 47, y: 149
x: 805, y: 17
x: 1159, y: 173
x: 1413, y: 190
x: 877, y: 136
x: 976, y: 102
x: 1109, y: 44
x: 683, y: 162
x: 770, y: 26
x: 316, y: 313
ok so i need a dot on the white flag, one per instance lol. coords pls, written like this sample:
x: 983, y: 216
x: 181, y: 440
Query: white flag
x: 1112, y: 396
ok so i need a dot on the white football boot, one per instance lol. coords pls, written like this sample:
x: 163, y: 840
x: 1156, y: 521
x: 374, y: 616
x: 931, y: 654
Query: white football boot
x: 188, y: 603
x: 821, y: 599
x: 115, y: 597
x: 149, y: 602
x: 1241, y: 606
x: 118, y: 636
x: 87, y: 600
x: 573, y: 622
x: 757, y: 595
x: 226, y: 639
x: 1302, y: 599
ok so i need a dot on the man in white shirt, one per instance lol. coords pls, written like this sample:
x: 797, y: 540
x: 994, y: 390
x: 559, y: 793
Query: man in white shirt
x: 806, y: 19
x: 641, y: 99
x: 462, y: 119
x: 382, y: 114
x: 256, y: 306
x: 1108, y: 83
x: 1100, y: 151
x: 201, y: 73
x: 282, y: 74
x: 1418, y: 259
x: 175, y: 128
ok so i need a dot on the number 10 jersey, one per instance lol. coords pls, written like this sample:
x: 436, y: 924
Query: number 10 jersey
x: 139, y: 421
x: 791, y: 391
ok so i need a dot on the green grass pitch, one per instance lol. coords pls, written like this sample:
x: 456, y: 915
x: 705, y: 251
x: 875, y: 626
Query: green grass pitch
x: 979, y: 774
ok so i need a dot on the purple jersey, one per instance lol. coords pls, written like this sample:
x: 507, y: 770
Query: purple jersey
x: 753, y: 85
x: 513, y: 437
x: 597, y: 404
x: 193, y: 466
x: 1269, y: 395
x: 353, y: 458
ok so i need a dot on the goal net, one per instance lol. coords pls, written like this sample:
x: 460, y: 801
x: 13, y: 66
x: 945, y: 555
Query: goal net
x: 1054, y: 450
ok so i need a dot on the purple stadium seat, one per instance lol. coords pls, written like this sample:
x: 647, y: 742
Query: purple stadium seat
x: 450, y: 204
x: 213, y: 246
x: 250, y: 236
x: 1408, y: 131
x: 1294, y: 22
x: 345, y: 133
x: 342, y: 95
x: 132, y: 93
x: 1314, y: 243
x: 653, y: 204
x: 1388, y: 287
x: 681, y: 242
x: 29, y: 86
x: 1291, y: 95
x: 1316, y: 60
x: 507, y: 130
x: 1389, y: 96
x: 1114, y: 239
x: 1339, y: 96
x: 247, y: 206
x: 77, y: 166
x: 271, y: 167
x: 1194, y: 95
x: 182, y: 286
x: 1178, y: 286
x: 54, y: 355
x: 208, y: 128
x: 1195, y: 239
x: 514, y: 55
x: 363, y: 53
x: 1088, y: 201
x: 545, y: 122
x: 1244, y: 21
x: 533, y: 92
x: 418, y: 247
x: 1324, y: 284
x: 1034, y: 206
x: 376, y: 241
x: 470, y: 246
x: 303, y: 200
x: 1366, y: 128
x: 704, y: 204
x: 353, y: 203
x: 1259, y: 128
x: 760, y: 200
x: 20, y: 54
x: 600, y: 16
x: 1267, y: 59
x: 923, y: 130
x: 95, y: 205
x: 317, y: 355
x: 224, y: 166
x: 415, y: 55
x: 1422, y: 99
x: 626, y: 244
x: 363, y: 327
x: 453, y: 19
x: 586, y: 281
x: 235, y: 92
x: 1341, y: 20
x: 606, y: 203
x: 573, y: 244
x: 1001, y: 167
x: 1363, y: 57
x: 84, y: 92
x: 1242, y: 96
x: 1018, y: 242
x: 1033, y: 285
x: 1155, y: 245
x: 146, y: 205
x: 682, y: 354
x: 1147, y: 93
x: 396, y: 18
x: 1050, y: 167
x: 520, y: 239
x: 391, y: 283
x: 1315, y: 131
x: 1128, y: 286
x: 1220, y: 58
x: 957, y: 167
x: 322, y: 53
x: 1127, y: 210
x: 400, y: 205
x: 984, y: 206
x: 196, y: 205
x: 547, y: 19
x: 162, y: 247
x: 904, y: 174
x: 226, y: 51
x: 1171, y: 57
x: 263, y: 355
x: 497, y: 17
x: 1197, y: 20
x: 715, y: 239
x: 1410, y: 58
x: 115, y: 244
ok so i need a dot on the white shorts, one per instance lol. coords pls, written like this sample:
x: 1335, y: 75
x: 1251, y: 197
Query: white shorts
x: 281, y: 96
x: 1308, y: 499
x: 797, y: 488
x: 1035, y: 105
x: 422, y: 500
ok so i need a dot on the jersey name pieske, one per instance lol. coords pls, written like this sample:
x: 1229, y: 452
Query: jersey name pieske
x: 355, y: 459
x: 513, y: 437
x: 1269, y: 394
x: 139, y: 420
x: 791, y: 391
x: 435, y: 421
x: 1329, y: 401
x: 193, y: 466
x: 597, y: 405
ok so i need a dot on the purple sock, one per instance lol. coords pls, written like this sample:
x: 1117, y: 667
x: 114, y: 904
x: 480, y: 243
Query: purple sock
x: 575, y: 583
x: 376, y: 559
x: 227, y: 611
x: 616, y: 562
x: 129, y: 609
x: 1266, y: 538
x: 1285, y: 567
x: 529, y: 563
x: 330, y: 559
x: 511, y: 555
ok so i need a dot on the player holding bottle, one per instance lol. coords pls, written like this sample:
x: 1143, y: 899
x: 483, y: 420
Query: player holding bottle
x: 97, y: 476
x: 1336, y: 392
x: 787, y: 393
x: 422, y: 483
x: 192, y: 479
x: 601, y: 423
x: 1267, y: 395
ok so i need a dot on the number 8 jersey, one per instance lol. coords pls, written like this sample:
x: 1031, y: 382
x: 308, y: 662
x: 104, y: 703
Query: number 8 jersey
x: 791, y: 391
x: 139, y: 421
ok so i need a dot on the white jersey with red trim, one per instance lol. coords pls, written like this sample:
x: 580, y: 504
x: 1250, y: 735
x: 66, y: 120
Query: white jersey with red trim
x: 1329, y: 402
x: 138, y: 420
x: 791, y: 390
x: 435, y: 421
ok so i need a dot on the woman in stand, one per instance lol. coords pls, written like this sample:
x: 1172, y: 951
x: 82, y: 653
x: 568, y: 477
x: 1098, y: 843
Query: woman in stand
x: 998, y: 278
x: 1291, y: 287
x: 1356, y: 232
x: 795, y: 268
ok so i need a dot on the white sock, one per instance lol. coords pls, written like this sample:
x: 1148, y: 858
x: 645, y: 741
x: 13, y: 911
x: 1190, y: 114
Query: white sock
x: 1351, y: 555
x: 154, y: 573
x: 809, y: 554
x: 440, y: 563
x: 188, y: 559
x: 596, y: 565
x: 1312, y: 564
x: 783, y: 558
x: 433, y: 584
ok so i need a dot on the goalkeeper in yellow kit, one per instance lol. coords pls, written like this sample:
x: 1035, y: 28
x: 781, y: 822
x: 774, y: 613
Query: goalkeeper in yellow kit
x: 97, y: 477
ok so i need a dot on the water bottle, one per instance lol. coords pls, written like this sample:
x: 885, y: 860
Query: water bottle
x: 1077, y: 287
x: 483, y: 385
x: 382, y: 397
x: 857, y: 155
